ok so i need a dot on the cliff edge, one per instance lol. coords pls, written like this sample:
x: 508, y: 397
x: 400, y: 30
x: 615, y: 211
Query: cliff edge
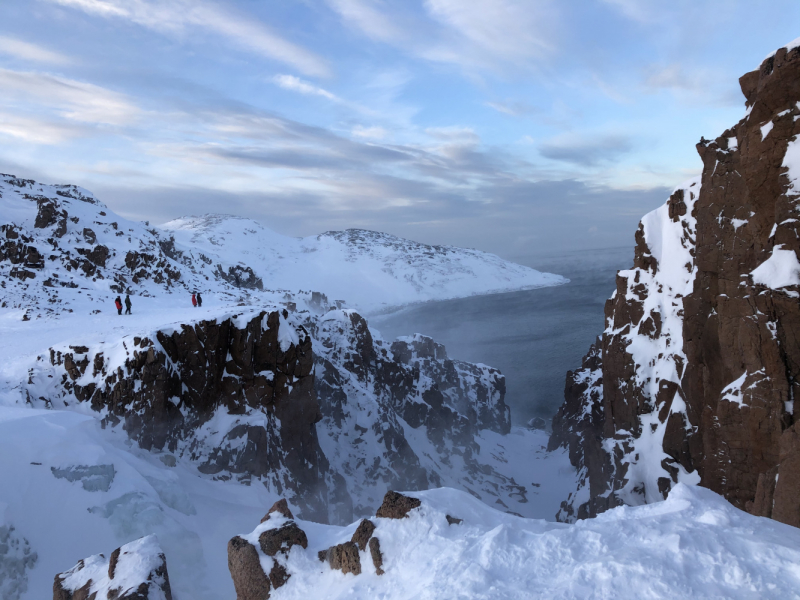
x: 695, y: 376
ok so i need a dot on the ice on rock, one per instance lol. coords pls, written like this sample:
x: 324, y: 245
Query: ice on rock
x: 16, y: 559
x: 95, y: 478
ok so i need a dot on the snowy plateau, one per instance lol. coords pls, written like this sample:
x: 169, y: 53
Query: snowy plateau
x: 140, y: 454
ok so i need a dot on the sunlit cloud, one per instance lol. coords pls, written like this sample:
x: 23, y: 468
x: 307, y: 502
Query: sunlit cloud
x: 74, y: 100
x: 295, y: 84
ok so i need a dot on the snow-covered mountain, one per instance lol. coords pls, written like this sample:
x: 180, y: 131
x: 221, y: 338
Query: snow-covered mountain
x: 368, y: 269
x: 279, y: 390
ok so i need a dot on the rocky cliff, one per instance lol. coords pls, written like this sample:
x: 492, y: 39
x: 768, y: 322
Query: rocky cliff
x: 695, y: 376
x: 315, y: 407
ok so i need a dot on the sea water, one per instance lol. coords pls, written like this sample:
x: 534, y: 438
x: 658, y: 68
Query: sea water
x: 534, y: 337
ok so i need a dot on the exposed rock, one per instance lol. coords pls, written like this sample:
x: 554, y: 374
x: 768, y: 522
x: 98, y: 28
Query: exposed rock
x: 377, y: 557
x: 396, y: 506
x: 236, y: 366
x: 249, y: 579
x: 712, y: 377
x: 135, y: 571
x: 345, y: 558
x: 281, y: 507
x: 282, y: 539
x: 363, y: 533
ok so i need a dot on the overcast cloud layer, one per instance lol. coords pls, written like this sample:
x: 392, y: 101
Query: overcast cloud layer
x: 522, y: 127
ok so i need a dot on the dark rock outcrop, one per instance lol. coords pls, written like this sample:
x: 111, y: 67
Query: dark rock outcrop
x: 397, y: 506
x: 701, y: 353
x: 170, y: 386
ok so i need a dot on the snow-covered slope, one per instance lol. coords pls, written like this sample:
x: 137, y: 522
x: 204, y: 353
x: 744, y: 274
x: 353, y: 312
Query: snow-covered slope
x: 368, y: 269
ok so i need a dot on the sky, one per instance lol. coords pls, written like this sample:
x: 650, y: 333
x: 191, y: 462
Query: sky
x: 519, y: 127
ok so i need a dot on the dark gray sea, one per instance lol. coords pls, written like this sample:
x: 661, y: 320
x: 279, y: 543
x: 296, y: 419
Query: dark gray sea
x: 534, y: 337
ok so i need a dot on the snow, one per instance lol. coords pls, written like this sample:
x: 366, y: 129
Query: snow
x: 693, y: 545
x: 765, y: 129
x: 780, y: 270
x: 137, y: 561
x: 789, y: 47
x: 370, y: 270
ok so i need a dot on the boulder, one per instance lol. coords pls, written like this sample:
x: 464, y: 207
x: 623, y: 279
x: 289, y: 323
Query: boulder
x: 281, y: 507
x: 282, y: 539
x: 345, y: 558
x: 363, y: 533
x: 249, y: 579
x: 377, y: 557
x: 396, y: 506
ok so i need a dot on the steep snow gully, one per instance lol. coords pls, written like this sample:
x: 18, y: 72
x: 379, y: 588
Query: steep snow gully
x: 161, y: 439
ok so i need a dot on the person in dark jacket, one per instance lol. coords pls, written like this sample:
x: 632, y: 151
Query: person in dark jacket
x: 194, y: 300
x: 118, y: 304
x: 199, y: 299
x: 127, y: 304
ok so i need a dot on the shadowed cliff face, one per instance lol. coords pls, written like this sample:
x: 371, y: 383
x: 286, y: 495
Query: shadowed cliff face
x: 312, y: 406
x: 700, y: 358
x: 236, y: 395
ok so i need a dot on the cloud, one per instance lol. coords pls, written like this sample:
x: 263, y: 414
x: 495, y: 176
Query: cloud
x: 370, y: 133
x: 295, y: 84
x: 692, y: 84
x: 31, y: 52
x: 71, y: 99
x: 35, y: 130
x: 474, y: 34
x: 513, y: 108
x: 508, y: 30
x: 586, y: 150
x: 175, y: 16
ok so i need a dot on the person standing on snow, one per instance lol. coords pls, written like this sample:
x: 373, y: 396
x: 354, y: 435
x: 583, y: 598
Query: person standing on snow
x: 199, y: 300
x: 127, y: 304
x: 194, y: 299
x: 118, y: 304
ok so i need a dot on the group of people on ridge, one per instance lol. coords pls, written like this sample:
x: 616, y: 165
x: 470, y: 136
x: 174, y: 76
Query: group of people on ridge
x: 197, y: 300
x: 118, y: 304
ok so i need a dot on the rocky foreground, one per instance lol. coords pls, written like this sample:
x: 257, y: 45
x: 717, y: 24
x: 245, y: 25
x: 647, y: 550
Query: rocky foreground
x: 695, y: 377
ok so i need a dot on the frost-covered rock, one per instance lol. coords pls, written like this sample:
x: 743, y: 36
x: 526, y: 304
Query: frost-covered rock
x: 700, y: 359
x: 135, y: 571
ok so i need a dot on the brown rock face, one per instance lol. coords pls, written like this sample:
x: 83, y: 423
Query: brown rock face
x: 377, y: 556
x: 249, y: 579
x: 363, y: 533
x: 281, y: 540
x: 718, y: 394
x: 396, y: 506
x: 281, y: 507
x: 345, y: 558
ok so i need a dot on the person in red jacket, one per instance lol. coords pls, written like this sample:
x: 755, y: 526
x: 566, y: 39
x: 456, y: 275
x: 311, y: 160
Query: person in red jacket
x: 118, y: 304
x: 194, y: 300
